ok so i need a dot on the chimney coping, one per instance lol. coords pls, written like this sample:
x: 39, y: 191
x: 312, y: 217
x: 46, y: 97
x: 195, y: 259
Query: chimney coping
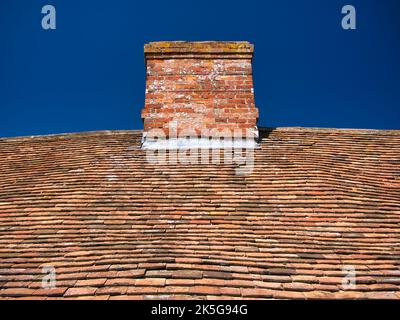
x: 198, y: 49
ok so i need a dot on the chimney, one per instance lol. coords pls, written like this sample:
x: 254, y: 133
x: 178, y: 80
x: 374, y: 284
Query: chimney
x: 198, y: 87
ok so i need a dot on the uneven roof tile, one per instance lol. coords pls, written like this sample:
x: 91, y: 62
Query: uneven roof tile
x: 318, y: 204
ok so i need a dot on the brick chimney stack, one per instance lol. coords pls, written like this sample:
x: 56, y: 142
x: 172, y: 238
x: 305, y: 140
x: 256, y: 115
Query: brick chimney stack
x: 199, y: 85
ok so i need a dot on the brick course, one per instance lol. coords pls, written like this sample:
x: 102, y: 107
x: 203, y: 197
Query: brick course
x: 199, y: 85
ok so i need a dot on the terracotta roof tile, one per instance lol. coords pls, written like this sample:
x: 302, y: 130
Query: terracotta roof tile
x: 117, y: 227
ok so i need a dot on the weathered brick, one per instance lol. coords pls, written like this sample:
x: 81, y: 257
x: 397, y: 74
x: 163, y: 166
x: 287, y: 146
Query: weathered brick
x: 190, y: 89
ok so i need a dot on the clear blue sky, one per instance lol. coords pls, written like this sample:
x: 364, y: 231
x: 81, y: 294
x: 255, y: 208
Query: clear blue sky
x: 89, y: 73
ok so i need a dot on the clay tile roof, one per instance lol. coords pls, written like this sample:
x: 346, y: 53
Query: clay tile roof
x: 318, y: 202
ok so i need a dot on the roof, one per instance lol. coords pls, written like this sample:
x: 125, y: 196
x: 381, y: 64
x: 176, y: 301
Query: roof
x: 319, y: 202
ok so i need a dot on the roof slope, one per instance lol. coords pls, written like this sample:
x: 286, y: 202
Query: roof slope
x: 112, y: 225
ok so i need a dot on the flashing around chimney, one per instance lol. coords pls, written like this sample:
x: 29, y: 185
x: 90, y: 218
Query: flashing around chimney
x: 157, y: 142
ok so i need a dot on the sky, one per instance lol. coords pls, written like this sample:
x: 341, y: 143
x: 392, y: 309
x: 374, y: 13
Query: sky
x: 89, y: 73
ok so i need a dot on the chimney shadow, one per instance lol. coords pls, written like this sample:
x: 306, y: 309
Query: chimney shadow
x: 264, y: 132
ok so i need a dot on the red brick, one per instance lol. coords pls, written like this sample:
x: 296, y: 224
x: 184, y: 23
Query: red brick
x: 211, y: 85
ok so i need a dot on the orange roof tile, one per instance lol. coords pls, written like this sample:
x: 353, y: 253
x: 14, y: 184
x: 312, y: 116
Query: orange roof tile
x: 114, y: 226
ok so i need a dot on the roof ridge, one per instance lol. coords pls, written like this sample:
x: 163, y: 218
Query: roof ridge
x: 73, y: 134
x: 137, y: 131
x: 333, y: 130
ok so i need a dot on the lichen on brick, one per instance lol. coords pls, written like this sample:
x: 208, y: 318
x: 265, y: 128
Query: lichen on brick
x: 199, y: 85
